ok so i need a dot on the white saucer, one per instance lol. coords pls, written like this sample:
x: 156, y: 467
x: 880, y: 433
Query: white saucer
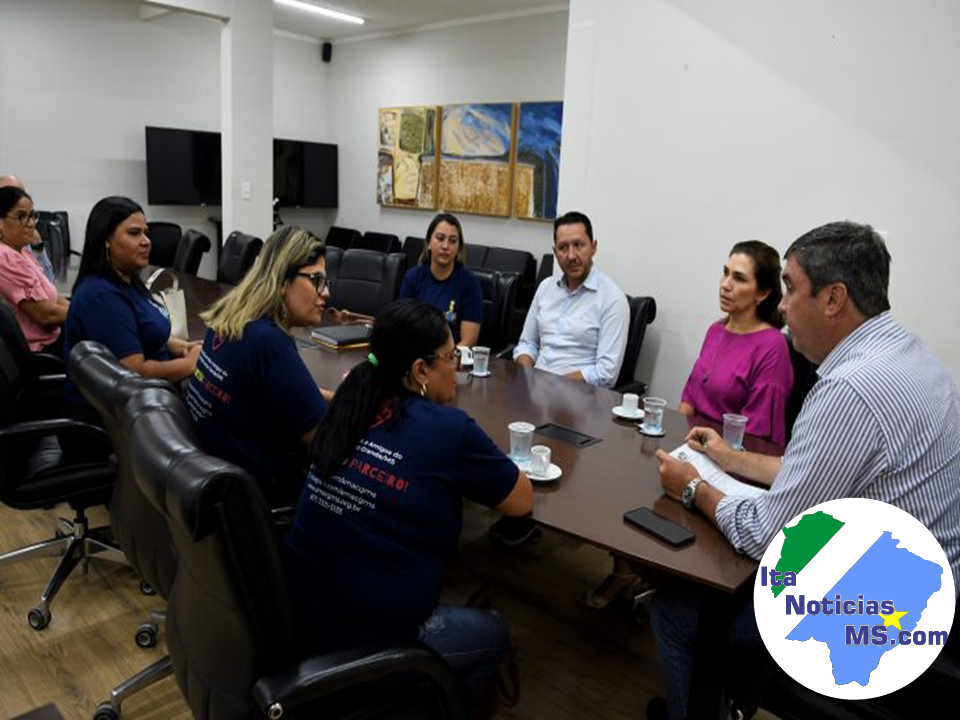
x: 621, y: 413
x: 643, y: 431
x: 480, y: 375
x: 553, y: 473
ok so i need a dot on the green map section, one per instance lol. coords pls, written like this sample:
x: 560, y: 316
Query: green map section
x: 804, y: 541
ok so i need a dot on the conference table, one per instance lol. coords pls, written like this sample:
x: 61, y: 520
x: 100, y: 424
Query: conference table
x: 600, y: 481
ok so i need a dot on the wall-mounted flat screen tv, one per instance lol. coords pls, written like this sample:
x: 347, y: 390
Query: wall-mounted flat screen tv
x: 183, y: 167
x: 305, y: 174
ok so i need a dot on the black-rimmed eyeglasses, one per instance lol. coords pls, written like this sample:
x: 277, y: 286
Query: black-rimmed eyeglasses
x: 26, y: 218
x: 452, y: 356
x: 319, y: 280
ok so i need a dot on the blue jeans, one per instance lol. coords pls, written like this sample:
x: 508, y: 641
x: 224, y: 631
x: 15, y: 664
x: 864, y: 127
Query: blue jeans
x: 675, y: 619
x: 472, y: 640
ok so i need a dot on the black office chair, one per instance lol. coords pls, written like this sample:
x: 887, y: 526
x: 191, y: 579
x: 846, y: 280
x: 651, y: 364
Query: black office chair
x: 804, y: 378
x: 643, y: 311
x: 381, y: 242
x: 54, y: 229
x: 499, y: 299
x: 237, y: 256
x: 413, y: 249
x: 34, y: 474
x: 476, y: 255
x: 116, y: 392
x: 43, y: 372
x: 333, y: 255
x: 342, y: 238
x: 164, y: 241
x: 231, y: 632
x: 367, y: 281
x: 546, y: 268
x: 190, y: 251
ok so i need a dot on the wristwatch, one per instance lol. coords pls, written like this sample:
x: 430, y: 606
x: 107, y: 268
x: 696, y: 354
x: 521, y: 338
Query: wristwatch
x: 690, y: 492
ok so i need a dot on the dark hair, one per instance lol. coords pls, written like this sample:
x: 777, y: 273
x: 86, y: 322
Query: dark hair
x: 766, y: 269
x: 9, y: 197
x: 451, y: 220
x: 105, y: 217
x: 573, y: 218
x: 848, y: 253
x: 403, y: 331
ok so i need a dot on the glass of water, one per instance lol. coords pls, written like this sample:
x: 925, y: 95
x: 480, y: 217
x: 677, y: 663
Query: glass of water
x: 481, y: 360
x: 653, y: 415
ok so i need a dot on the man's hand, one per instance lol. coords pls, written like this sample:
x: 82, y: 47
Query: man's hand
x: 708, y: 441
x: 674, y: 474
x: 524, y: 361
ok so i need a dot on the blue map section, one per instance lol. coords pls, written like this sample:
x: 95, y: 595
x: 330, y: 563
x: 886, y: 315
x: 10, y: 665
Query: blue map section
x: 884, y: 572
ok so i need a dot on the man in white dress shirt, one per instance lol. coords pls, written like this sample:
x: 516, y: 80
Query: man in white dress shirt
x: 577, y: 324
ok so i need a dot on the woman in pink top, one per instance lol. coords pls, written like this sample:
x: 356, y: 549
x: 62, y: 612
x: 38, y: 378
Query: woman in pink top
x: 22, y: 283
x: 744, y: 364
x: 744, y: 368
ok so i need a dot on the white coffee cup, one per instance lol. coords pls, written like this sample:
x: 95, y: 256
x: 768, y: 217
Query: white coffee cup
x: 631, y: 403
x: 539, y: 460
x: 466, y: 355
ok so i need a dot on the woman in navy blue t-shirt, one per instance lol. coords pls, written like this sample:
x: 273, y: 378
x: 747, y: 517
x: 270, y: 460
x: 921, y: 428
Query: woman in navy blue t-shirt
x: 111, y: 305
x: 252, y: 399
x: 382, y: 506
x: 442, y: 280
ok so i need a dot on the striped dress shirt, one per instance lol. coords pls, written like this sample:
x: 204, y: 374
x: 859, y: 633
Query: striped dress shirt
x: 882, y: 422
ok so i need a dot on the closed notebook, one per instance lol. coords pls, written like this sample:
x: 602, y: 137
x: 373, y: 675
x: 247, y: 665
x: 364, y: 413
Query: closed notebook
x: 340, y: 336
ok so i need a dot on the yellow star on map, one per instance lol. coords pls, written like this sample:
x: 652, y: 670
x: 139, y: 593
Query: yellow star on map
x: 893, y: 618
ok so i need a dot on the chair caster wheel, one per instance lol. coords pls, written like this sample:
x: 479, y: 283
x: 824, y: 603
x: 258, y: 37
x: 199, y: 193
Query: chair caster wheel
x: 146, y: 636
x: 146, y: 588
x: 38, y: 618
x: 106, y: 711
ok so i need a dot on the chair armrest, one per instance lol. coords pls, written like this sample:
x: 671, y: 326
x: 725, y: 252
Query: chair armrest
x: 637, y: 387
x: 39, y: 429
x: 325, y: 675
x: 49, y: 364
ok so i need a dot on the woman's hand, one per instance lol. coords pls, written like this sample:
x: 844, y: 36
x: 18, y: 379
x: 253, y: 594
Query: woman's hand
x: 180, y: 348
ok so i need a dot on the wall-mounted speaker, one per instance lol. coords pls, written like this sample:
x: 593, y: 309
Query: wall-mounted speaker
x: 326, y: 51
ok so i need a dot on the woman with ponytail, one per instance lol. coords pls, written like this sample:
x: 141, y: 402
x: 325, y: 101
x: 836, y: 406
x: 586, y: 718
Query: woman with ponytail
x: 382, y: 504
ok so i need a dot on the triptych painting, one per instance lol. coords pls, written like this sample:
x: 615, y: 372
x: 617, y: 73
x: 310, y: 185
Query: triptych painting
x: 484, y: 158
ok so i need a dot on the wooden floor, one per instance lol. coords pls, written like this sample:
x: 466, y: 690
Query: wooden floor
x: 574, y: 663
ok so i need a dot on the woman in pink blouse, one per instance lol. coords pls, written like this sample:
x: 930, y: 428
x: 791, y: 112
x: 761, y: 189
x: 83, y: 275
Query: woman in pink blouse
x: 744, y: 368
x: 22, y: 282
x: 744, y: 364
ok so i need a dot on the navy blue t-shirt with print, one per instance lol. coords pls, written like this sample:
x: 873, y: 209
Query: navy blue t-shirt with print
x: 459, y: 297
x: 118, y: 316
x: 253, y: 398
x: 365, y: 555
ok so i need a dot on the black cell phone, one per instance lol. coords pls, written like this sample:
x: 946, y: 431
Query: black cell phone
x: 658, y: 526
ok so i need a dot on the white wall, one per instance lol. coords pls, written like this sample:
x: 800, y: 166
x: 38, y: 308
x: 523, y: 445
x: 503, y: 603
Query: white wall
x: 691, y: 125
x: 504, y: 61
x: 91, y: 74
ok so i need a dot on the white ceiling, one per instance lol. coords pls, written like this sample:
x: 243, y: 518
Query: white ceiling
x: 393, y: 16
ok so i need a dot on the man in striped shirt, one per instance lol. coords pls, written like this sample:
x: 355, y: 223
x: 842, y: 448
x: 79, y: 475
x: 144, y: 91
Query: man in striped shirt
x: 882, y: 422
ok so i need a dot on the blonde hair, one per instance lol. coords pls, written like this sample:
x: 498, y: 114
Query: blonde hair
x: 258, y: 294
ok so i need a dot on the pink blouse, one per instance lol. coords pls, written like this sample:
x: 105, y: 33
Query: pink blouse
x: 22, y: 279
x: 747, y: 374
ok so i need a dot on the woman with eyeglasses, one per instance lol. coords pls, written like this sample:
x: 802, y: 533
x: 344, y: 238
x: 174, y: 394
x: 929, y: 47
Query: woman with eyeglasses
x: 382, y: 506
x: 252, y: 399
x: 442, y: 280
x: 33, y: 298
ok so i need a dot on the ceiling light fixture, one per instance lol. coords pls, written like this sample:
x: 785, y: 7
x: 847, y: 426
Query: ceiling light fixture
x: 309, y: 7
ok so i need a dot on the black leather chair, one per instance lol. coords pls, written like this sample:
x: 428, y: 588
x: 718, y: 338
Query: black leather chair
x: 476, y: 255
x: 54, y: 229
x: 237, y: 256
x: 192, y: 246
x: 140, y: 530
x: 43, y: 372
x: 804, y: 378
x: 546, y: 268
x: 332, y: 257
x: 342, y: 238
x: 231, y: 631
x: 164, y: 241
x: 413, y: 249
x: 34, y: 474
x: 381, y: 242
x: 499, y: 299
x: 367, y: 280
x: 643, y: 311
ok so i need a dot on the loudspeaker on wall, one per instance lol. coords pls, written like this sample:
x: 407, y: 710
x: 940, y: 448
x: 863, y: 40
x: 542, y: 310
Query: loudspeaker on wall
x: 326, y: 51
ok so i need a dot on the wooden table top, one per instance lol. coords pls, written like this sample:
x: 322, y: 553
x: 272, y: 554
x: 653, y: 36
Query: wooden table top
x: 599, y: 483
